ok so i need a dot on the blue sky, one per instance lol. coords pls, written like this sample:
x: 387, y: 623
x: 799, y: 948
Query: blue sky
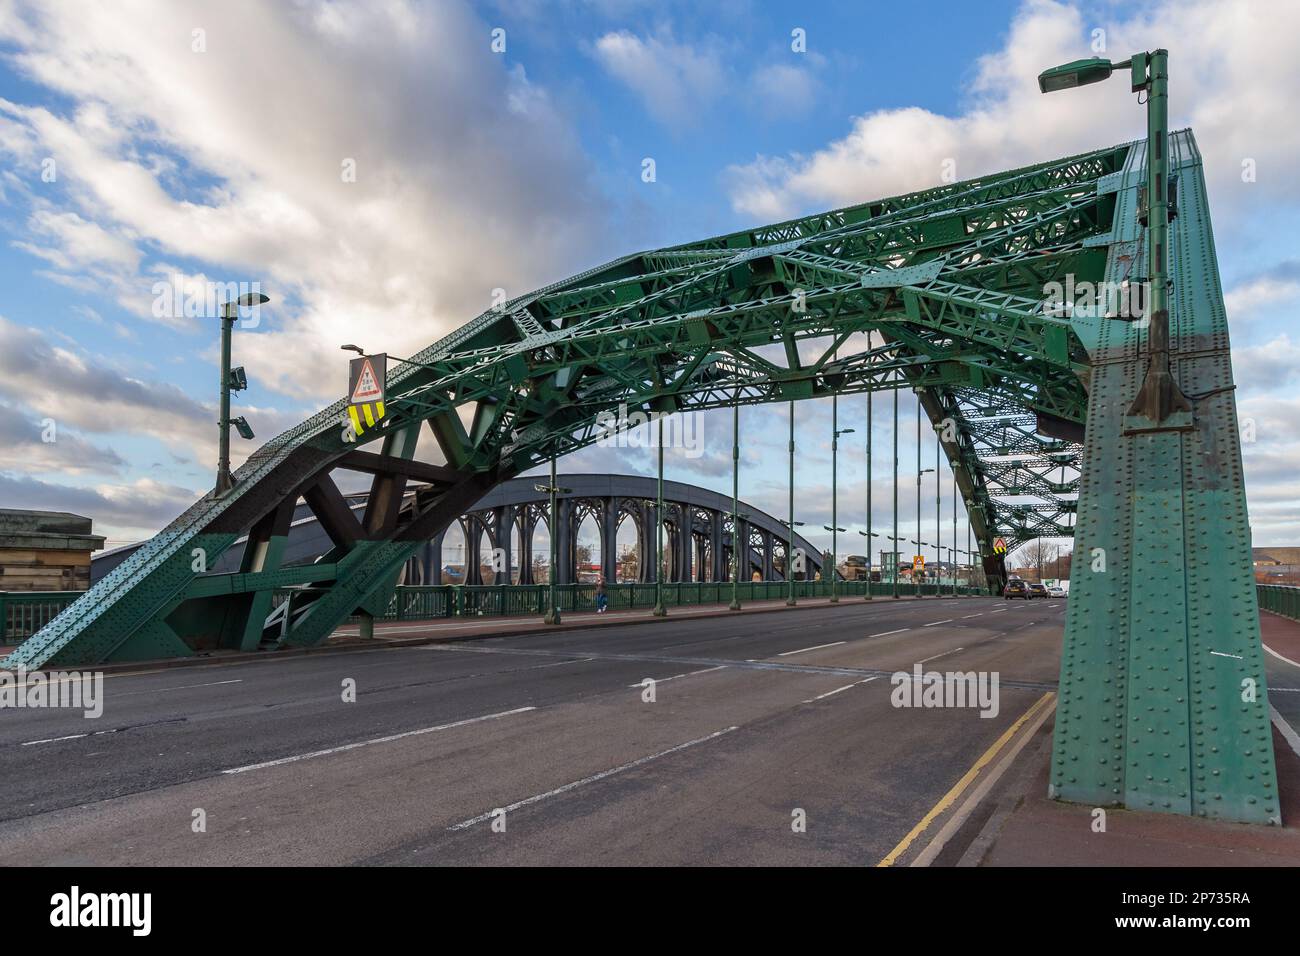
x: 211, y: 141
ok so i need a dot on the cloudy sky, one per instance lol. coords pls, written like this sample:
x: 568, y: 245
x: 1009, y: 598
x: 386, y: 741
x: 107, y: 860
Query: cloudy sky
x: 380, y: 168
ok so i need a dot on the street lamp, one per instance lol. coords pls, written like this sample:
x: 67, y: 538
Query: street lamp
x: 835, y: 561
x: 392, y: 358
x: 920, y: 473
x: 552, y: 615
x: 869, y: 535
x: 231, y: 380
x: 789, y: 552
x: 1159, y: 396
x: 835, y: 497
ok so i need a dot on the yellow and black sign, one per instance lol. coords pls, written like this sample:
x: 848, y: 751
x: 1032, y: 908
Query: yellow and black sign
x: 918, y: 562
x: 1000, y: 546
x: 367, y: 383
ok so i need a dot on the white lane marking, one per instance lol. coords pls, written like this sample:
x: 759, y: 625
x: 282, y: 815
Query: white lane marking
x: 55, y: 740
x: 969, y: 616
x: 1286, y: 729
x: 815, y: 647
x: 664, y: 680
x: 640, y: 761
x: 937, y: 623
x: 1225, y: 654
x: 1053, y: 605
x: 831, y: 693
x: 887, y: 633
x: 163, y: 690
x: 937, y: 656
x: 376, y: 740
x: 1280, y: 657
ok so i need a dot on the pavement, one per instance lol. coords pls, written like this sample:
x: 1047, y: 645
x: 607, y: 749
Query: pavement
x: 765, y: 738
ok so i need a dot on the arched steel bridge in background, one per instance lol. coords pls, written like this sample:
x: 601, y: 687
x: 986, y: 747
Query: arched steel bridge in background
x: 609, y: 500
x: 1162, y: 698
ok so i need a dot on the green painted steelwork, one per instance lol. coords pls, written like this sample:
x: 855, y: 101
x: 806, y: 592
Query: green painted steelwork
x: 952, y: 283
x: 1280, y: 599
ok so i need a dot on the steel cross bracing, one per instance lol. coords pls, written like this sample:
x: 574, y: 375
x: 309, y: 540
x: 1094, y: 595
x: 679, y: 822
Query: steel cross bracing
x: 946, y: 288
x: 949, y: 280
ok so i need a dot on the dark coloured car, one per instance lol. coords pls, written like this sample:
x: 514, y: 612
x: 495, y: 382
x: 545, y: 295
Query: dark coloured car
x: 1037, y: 590
x: 1015, y: 589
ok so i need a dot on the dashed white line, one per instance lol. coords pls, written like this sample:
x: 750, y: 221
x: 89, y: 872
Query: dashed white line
x: 937, y: 656
x: 55, y: 740
x: 831, y: 693
x: 664, y: 680
x: 887, y: 633
x: 815, y: 647
x: 937, y: 623
x: 969, y: 616
x: 376, y: 740
x: 537, y: 798
x: 163, y: 690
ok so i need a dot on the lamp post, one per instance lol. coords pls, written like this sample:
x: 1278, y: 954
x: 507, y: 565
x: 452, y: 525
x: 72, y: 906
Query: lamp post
x: 660, y: 610
x: 920, y: 472
x: 835, y: 497
x: 1159, y: 395
x: 737, y: 548
x: 789, y: 545
x: 552, y: 615
x: 789, y: 557
x: 231, y: 380
x: 868, y: 534
x: 894, y: 537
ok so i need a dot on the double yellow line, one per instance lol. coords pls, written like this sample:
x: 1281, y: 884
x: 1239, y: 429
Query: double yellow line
x: 949, y: 798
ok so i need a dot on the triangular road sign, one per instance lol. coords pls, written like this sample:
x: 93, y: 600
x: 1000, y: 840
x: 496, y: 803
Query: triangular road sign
x: 368, y: 388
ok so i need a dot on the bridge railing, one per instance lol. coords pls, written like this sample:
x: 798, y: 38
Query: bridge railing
x: 1280, y: 599
x: 427, y: 602
x: 23, y: 613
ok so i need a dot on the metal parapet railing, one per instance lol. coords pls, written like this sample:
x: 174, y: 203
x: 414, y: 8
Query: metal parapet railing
x: 1280, y: 599
x: 23, y: 613
x: 426, y: 602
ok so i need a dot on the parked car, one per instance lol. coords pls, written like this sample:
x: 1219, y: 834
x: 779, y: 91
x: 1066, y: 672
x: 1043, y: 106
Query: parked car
x: 1037, y: 590
x: 1056, y: 592
x: 1015, y: 589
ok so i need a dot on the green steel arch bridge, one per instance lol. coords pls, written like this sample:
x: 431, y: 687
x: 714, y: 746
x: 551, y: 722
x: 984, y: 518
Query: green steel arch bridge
x: 1162, y: 697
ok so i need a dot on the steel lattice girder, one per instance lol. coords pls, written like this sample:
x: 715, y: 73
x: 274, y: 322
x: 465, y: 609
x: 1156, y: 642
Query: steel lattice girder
x: 949, y: 285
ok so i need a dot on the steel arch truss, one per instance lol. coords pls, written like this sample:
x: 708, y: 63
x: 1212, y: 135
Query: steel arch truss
x: 942, y: 291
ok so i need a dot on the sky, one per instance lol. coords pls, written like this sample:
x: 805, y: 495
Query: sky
x: 381, y: 168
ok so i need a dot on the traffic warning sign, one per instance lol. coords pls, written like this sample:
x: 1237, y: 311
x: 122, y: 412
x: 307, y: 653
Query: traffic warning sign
x: 367, y: 384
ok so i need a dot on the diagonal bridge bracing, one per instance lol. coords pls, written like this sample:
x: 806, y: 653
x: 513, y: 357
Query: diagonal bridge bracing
x: 947, y: 288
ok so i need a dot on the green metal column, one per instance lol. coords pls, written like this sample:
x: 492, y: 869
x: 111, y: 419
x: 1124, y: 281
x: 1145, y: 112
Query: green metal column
x: 789, y: 545
x: 895, y: 538
x: 660, y: 610
x: 739, y: 548
x: 552, y: 601
x: 870, y: 536
x: 835, y: 493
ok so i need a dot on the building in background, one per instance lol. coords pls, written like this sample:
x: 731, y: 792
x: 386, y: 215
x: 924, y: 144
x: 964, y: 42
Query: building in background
x: 45, y: 550
x: 1276, y: 565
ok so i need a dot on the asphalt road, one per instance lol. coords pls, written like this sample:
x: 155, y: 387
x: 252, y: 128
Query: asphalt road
x: 755, y: 718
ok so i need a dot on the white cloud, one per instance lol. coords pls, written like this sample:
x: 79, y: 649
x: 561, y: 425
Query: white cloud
x: 1233, y: 70
x: 783, y: 87
x: 466, y: 179
x: 674, y: 79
